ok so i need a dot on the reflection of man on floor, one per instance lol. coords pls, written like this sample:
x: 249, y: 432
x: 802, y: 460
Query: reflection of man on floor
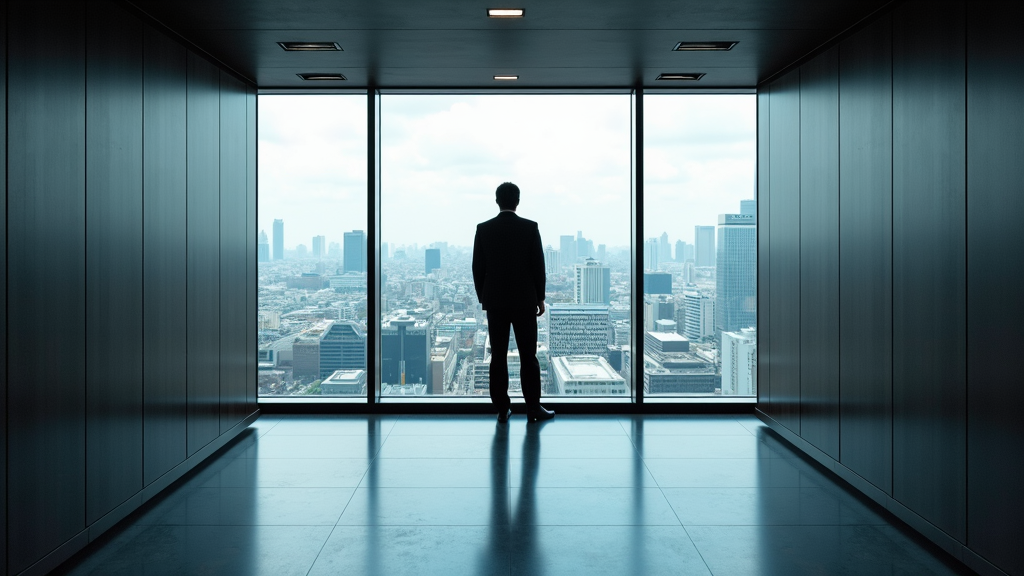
x: 508, y: 271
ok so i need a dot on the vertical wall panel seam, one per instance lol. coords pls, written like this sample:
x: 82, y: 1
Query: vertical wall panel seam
x: 187, y: 87
x: 85, y: 262
x: 839, y: 253
x: 892, y: 259
x: 967, y: 277
x: 142, y: 260
x: 799, y: 252
x: 7, y: 340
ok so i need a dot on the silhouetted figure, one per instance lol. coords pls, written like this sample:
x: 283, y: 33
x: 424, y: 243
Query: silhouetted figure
x: 508, y: 271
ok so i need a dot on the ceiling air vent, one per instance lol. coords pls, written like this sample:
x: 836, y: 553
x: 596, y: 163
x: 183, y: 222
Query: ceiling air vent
x: 322, y: 76
x: 310, y: 46
x: 704, y: 46
x: 680, y: 75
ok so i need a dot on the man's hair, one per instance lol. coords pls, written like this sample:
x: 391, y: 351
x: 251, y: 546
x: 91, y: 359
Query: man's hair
x: 507, y: 195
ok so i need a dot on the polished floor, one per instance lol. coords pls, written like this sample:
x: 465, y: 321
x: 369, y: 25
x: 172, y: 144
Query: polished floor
x: 452, y: 495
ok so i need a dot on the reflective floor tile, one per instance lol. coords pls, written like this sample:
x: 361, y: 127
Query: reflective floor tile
x: 702, y: 447
x: 581, y: 472
x: 290, y: 473
x: 427, y: 507
x: 809, y: 550
x: 437, y: 473
x: 554, y: 446
x: 604, y: 550
x: 474, y: 446
x: 768, y: 506
x: 282, y: 446
x: 259, y: 506
x: 264, y: 424
x: 446, y: 425
x: 569, y: 425
x: 711, y: 425
x: 333, y: 426
x: 414, y: 551
x: 591, y: 506
x: 726, y: 472
x: 221, y: 550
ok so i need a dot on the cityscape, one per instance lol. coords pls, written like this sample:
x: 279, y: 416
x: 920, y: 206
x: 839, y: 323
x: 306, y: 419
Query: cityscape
x: 699, y: 316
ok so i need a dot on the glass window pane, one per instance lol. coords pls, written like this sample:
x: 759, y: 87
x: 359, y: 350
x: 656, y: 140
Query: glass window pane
x: 312, y: 245
x: 700, y: 256
x: 443, y: 156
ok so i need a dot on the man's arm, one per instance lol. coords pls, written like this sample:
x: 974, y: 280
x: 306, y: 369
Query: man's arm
x: 540, y: 278
x: 478, y: 266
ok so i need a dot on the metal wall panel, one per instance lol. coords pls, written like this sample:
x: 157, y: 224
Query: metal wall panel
x: 865, y: 253
x: 929, y: 263
x: 763, y: 235
x: 995, y: 310
x: 3, y: 284
x: 784, y: 250
x: 46, y: 277
x: 251, y: 276
x: 113, y: 273
x: 164, y: 271
x: 233, y: 244
x: 819, y: 252
x: 203, y: 290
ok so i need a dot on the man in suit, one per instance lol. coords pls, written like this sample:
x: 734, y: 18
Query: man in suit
x: 508, y: 271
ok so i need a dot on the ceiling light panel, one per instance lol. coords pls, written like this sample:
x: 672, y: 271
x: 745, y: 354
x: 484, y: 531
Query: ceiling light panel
x: 506, y: 12
x: 507, y: 77
x: 680, y: 75
x: 704, y: 46
x: 322, y: 76
x: 310, y: 46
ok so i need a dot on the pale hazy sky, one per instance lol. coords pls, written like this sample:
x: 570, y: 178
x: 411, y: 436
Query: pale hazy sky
x: 443, y: 155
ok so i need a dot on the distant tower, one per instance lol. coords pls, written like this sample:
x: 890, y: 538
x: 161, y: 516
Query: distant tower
x: 651, y: 261
x: 567, y: 250
x: 593, y: 283
x: 263, y: 248
x: 319, y: 246
x: 602, y: 252
x: 704, y: 240
x: 748, y: 207
x: 355, y: 251
x: 278, y: 239
x: 736, y: 273
x: 551, y: 263
x: 664, y: 248
x: 432, y: 259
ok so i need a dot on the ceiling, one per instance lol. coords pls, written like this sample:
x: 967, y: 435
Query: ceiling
x: 559, y: 44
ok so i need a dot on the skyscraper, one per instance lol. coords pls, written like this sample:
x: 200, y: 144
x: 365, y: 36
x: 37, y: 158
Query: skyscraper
x: 748, y: 207
x: 651, y: 260
x: 405, y: 352
x: 342, y: 347
x: 319, y: 246
x: 567, y: 251
x: 355, y: 251
x: 551, y: 264
x: 602, y: 252
x: 592, y: 283
x: 263, y: 248
x: 432, y: 258
x: 680, y: 251
x: 657, y: 283
x: 700, y: 315
x: 704, y: 241
x: 739, y: 362
x: 578, y: 329
x: 664, y: 248
x: 736, y: 273
x: 278, y: 239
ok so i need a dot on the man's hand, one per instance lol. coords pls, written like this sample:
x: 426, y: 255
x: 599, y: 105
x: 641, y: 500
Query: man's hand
x: 540, y: 308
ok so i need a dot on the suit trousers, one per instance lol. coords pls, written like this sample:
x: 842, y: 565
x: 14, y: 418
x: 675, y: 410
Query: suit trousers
x: 524, y: 322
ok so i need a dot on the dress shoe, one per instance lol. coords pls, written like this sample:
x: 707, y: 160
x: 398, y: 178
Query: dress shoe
x: 504, y: 415
x: 539, y: 413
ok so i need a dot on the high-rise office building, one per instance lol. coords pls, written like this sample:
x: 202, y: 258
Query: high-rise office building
x: 551, y: 264
x: 432, y: 259
x: 664, y: 248
x: 658, y: 308
x: 748, y: 207
x: 342, y: 347
x: 578, y: 329
x: 736, y: 273
x: 739, y: 362
x: 355, y: 251
x: 680, y: 251
x: 334, y: 251
x: 279, y: 239
x: 319, y: 246
x: 567, y: 251
x: 651, y: 260
x: 405, y: 352
x: 657, y: 283
x: 263, y: 247
x: 593, y: 283
x: 704, y: 244
x: 699, y: 320
x: 602, y: 252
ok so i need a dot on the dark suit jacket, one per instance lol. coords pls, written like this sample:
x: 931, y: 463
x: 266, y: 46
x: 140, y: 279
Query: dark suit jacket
x: 508, y: 263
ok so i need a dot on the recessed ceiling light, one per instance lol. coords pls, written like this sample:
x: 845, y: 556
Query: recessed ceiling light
x: 506, y: 77
x: 506, y: 12
x: 704, y: 46
x: 310, y: 46
x: 322, y: 76
x: 680, y: 75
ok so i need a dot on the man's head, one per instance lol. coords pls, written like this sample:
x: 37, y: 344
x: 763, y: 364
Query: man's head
x: 507, y: 196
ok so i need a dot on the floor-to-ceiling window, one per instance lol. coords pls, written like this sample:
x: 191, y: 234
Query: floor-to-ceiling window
x: 312, y: 245
x: 442, y: 156
x: 700, y: 247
